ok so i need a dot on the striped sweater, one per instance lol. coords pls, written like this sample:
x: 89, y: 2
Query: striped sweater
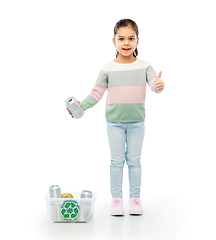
x: 126, y: 90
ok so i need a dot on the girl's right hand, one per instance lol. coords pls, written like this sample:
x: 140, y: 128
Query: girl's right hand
x: 70, y: 112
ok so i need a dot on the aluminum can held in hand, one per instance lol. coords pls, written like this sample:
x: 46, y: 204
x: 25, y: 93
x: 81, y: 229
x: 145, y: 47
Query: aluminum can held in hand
x: 74, y: 107
x: 86, y: 194
x: 55, y: 191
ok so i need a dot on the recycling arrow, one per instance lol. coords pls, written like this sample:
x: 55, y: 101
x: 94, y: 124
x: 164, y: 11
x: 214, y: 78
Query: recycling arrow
x: 70, y: 209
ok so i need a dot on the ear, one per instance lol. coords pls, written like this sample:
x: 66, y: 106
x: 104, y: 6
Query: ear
x: 137, y: 41
x: 114, y: 42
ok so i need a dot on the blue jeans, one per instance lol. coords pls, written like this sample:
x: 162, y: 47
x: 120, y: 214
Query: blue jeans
x: 125, y: 140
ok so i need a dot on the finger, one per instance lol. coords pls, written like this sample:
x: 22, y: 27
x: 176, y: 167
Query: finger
x: 159, y: 75
x: 69, y: 112
x: 158, y: 84
x: 160, y: 88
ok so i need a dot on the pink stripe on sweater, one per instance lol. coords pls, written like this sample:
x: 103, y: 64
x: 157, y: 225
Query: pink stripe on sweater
x: 151, y: 83
x: 97, y: 92
x: 126, y: 94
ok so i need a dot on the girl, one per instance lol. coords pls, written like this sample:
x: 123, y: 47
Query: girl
x: 125, y: 79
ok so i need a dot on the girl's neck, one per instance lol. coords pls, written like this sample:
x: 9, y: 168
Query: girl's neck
x: 125, y: 60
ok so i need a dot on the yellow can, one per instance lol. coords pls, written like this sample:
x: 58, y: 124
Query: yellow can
x: 67, y: 195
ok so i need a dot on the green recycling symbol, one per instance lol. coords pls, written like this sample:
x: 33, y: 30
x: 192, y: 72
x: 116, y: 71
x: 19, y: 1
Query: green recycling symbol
x: 70, y: 209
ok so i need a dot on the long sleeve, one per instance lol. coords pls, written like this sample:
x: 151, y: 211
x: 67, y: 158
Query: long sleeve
x: 97, y: 92
x: 151, y: 77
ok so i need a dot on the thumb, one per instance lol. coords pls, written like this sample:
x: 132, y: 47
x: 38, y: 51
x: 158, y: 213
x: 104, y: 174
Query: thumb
x: 159, y: 75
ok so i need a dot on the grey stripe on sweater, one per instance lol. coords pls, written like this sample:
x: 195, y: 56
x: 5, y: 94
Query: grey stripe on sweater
x: 121, y: 77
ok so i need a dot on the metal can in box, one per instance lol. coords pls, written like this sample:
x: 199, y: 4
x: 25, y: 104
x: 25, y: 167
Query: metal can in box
x: 85, y: 203
x: 55, y: 191
x: 86, y: 194
x: 55, y: 205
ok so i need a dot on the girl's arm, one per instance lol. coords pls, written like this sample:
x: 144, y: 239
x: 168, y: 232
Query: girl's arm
x: 154, y: 81
x: 97, y: 92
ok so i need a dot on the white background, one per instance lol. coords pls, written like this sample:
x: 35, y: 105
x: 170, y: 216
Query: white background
x: 51, y: 50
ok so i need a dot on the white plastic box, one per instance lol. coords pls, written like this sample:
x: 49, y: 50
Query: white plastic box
x: 70, y: 210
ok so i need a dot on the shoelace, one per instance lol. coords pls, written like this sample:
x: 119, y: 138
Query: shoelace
x: 116, y: 203
x: 135, y: 202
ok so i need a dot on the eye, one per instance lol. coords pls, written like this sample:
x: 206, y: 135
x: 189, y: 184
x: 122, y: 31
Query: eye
x: 131, y: 39
x: 120, y: 39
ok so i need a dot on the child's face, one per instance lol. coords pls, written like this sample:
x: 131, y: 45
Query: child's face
x: 126, y: 41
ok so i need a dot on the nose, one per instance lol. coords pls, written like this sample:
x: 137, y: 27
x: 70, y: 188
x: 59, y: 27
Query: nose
x: 126, y: 42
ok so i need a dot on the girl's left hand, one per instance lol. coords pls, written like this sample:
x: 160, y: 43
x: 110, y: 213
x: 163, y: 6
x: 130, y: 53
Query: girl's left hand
x: 159, y: 83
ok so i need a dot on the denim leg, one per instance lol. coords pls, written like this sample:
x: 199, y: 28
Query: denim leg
x: 134, y: 143
x: 117, y: 138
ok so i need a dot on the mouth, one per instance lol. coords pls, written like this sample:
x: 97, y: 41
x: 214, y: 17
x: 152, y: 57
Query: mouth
x: 126, y: 49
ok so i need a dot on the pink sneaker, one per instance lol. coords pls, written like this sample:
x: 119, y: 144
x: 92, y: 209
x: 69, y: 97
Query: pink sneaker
x: 117, y: 207
x: 135, y: 206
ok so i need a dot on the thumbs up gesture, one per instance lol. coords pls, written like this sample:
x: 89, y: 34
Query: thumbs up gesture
x: 159, y: 83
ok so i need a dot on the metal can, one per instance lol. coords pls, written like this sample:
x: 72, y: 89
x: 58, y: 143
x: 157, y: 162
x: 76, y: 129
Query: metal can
x: 86, y: 203
x: 89, y: 216
x: 82, y: 215
x: 67, y: 195
x: 86, y: 194
x: 55, y: 209
x: 55, y: 191
x: 74, y: 107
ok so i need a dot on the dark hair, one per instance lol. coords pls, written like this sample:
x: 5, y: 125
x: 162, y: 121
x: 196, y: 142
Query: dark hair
x: 124, y: 23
